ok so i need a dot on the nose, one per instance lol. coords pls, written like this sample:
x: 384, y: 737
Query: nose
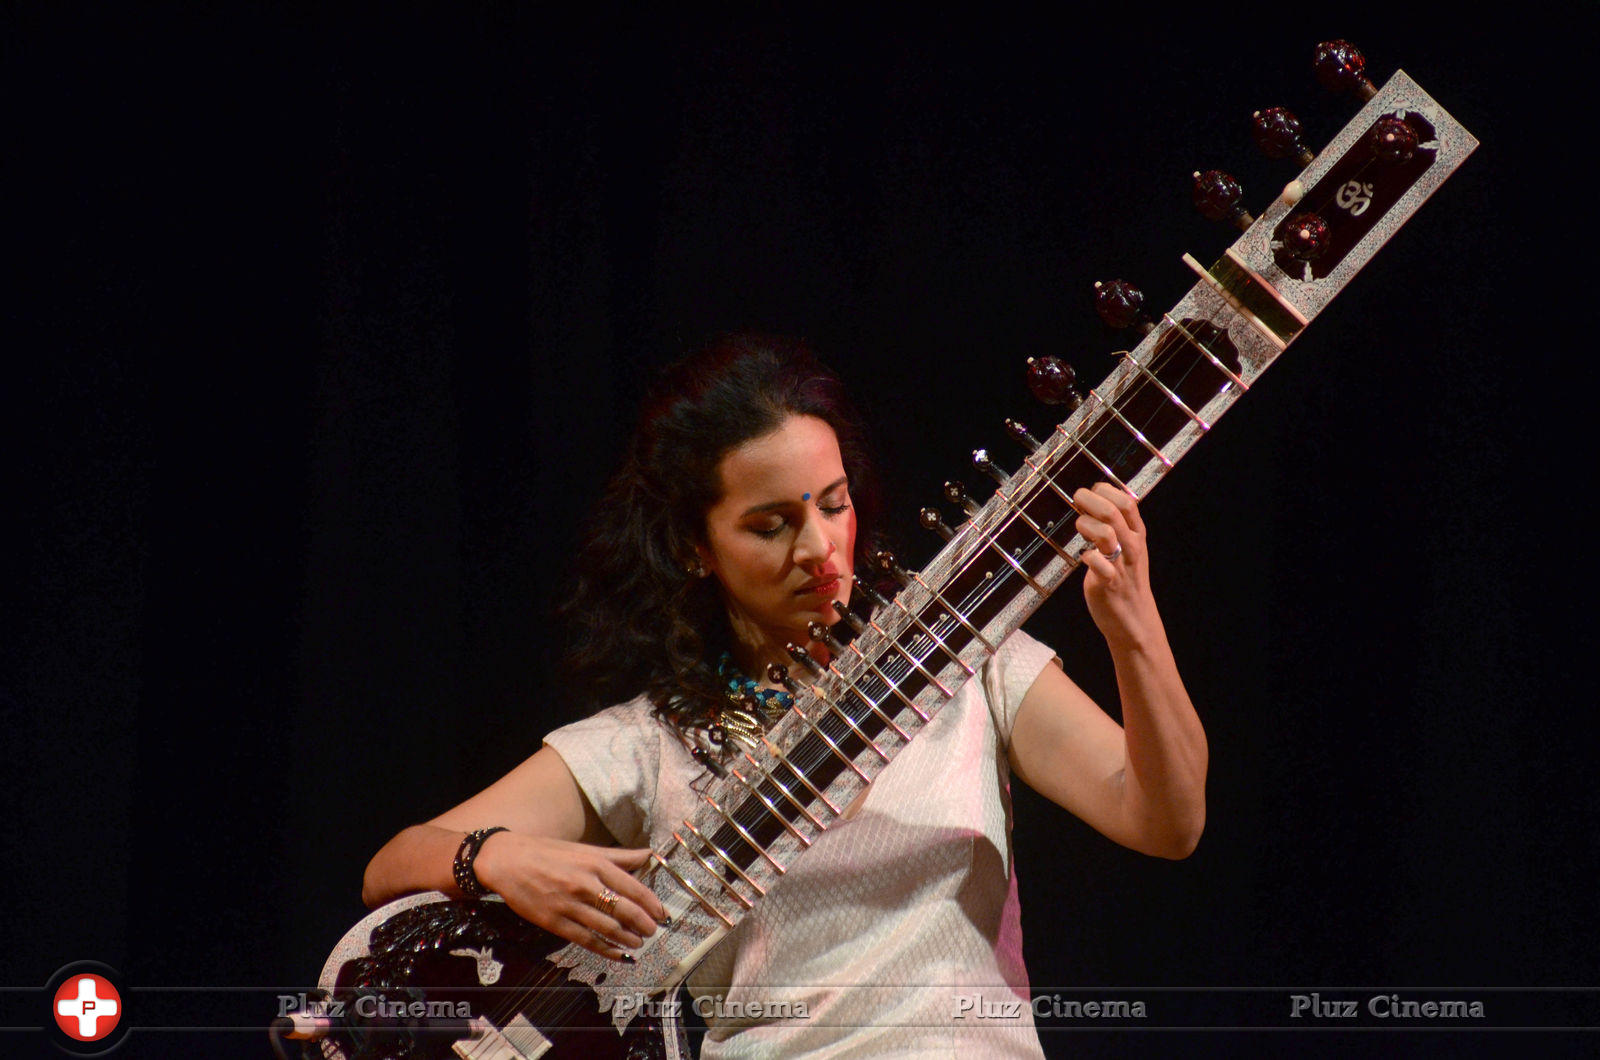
x: 813, y: 545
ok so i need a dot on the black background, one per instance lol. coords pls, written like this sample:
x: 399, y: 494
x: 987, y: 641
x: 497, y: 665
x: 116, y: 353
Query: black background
x: 324, y: 329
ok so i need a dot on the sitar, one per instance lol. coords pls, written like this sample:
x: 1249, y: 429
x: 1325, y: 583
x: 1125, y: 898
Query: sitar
x: 431, y: 976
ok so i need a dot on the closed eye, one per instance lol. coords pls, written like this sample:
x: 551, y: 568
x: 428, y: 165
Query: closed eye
x: 832, y: 511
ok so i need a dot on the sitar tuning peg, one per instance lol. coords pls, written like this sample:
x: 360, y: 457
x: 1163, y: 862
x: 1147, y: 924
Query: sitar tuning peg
x: 1052, y: 381
x: 778, y: 674
x: 1019, y: 434
x: 1306, y: 236
x: 1278, y: 133
x: 823, y: 635
x: 803, y: 657
x: 1341, y: 67
x: 932, y: 520
x: 1393, y: 141
x: 870, y: 591
x: 1216, y: 195
x: 887, y: 563
x: 981, y: 461
x: 1121, y: 305
x: 956, y: 493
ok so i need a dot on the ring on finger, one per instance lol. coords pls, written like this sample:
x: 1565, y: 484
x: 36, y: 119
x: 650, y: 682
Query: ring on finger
x: 1115, y: 553
x: 606, y: 901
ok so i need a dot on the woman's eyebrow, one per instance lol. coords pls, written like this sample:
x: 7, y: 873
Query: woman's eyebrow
x: 842, y: 480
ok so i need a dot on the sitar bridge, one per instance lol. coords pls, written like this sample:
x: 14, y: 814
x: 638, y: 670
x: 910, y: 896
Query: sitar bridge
x: 1252, y: 297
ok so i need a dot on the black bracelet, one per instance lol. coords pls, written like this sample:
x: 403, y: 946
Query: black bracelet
x: 466, y: 854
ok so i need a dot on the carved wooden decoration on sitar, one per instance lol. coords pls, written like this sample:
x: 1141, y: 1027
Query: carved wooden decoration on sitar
x: 488, y: 986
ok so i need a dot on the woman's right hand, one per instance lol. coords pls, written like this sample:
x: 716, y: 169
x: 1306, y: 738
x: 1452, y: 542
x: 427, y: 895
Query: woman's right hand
x: 557, y: 884
x: 550, y: 866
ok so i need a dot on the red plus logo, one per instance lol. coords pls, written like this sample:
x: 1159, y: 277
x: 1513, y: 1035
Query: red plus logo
x: 87, y: 1007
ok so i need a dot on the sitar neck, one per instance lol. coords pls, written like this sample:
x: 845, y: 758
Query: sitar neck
x: 769, y: 803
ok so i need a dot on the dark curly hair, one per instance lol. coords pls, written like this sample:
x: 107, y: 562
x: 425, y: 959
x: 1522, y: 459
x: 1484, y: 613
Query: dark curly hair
x: 640, y: 622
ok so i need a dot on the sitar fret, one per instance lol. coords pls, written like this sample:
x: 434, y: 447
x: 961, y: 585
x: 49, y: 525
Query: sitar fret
x: 893, y: 687
x: 1178, y: 402
x: 855, y: 722
x: 789, y: 796
x: 951, y: 612
x: 835, y: 740
x: 744, y: 834
x: 923, y: 629
x: 872, y: 705
x: 852, y: 725
x: 1139, y: 435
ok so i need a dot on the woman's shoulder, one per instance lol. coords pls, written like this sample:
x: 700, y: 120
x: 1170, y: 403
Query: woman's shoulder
x: 1008, y: 675
x: 1023, y: 653
x: 632, y: 716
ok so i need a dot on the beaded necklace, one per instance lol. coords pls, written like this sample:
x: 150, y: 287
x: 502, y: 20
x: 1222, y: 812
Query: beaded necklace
x: 749, y: 711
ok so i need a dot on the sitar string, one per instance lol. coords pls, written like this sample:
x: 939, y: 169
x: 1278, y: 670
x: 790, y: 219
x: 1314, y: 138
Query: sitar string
x: 542, y: 999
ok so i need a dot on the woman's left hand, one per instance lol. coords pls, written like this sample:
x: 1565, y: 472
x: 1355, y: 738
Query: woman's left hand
x: 1116, y: 580
x: 1142, y: 783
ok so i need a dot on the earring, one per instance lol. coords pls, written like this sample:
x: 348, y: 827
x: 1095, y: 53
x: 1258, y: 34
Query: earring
x: 697, y: 569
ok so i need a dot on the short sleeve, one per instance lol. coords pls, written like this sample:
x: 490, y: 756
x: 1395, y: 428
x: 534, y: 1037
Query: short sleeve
x: 615, y: 756
x: 1008, y: 676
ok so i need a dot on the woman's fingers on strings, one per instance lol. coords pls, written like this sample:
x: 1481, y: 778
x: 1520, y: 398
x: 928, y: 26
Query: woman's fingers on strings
x: 606, y: 926
x: 630, y: 858
x: 591, y: 940
x: 1097, y: 561
x: 1110, y: 505
x: 1110, y: 522
x: 1094, y: 529
x: 1102, y: 536
x: 636, y: 905
x: 1126, y: 506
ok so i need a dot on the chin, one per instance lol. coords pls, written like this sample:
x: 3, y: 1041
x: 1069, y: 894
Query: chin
x: 799, y: 622
x: 827, y: 614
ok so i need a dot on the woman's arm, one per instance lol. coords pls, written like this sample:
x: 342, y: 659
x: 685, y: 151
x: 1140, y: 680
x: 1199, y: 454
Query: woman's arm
x: 550, y: 866
x: 1141, y: 784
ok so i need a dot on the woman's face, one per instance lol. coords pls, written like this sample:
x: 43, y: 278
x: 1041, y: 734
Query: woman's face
x: 781, y: 540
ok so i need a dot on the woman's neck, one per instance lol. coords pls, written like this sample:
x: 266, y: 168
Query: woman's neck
x: 754, y: 650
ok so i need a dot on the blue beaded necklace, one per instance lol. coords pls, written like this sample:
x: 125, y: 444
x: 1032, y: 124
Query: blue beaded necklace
x: 746, y: 714
x: 772, y: 701
x: 749, y: 712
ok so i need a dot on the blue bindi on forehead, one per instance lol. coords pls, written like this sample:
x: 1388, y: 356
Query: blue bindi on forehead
x: 805, y: 496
